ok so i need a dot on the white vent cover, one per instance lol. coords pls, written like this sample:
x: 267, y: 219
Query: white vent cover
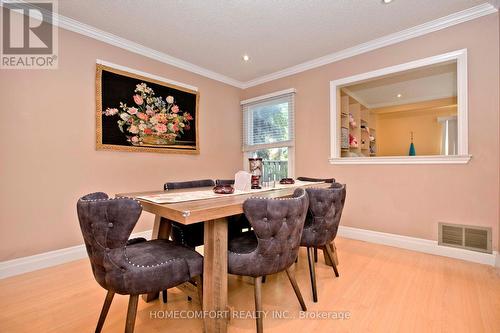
x: 465, y: 237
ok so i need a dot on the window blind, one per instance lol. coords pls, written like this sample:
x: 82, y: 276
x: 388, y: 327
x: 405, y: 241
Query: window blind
x: 269, y: 122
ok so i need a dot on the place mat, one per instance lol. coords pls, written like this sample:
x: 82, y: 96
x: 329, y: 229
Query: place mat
x: 176, y: 197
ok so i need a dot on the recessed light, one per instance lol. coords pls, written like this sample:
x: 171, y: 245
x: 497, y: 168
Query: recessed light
x: 246, y: 57
x: 386, y: 1
x: 399, y: 95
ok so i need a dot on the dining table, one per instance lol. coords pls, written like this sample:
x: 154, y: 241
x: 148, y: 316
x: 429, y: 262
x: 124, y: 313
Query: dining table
x: 214, y: 213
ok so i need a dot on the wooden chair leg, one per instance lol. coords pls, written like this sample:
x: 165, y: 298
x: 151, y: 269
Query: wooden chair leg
x: 330, y: 256
x: 258, y: 303
x: 312, y: 274
x: 315, y: 254
x: 199, y: 287
x: 104, y: 311
x: 164, y: 296
x: 131, y: 312
x: 295, y: 286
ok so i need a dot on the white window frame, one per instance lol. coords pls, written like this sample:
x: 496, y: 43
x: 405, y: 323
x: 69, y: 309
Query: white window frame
x: 290, y: 144
x: 460, y: 56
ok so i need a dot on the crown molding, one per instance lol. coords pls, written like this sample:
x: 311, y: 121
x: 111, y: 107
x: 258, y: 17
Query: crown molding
x: 87, y: 30
x: 106, y: 37
x: 419, y: 30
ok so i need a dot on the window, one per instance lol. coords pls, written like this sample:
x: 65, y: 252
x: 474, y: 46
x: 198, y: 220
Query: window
x: 268, y: 132
x: 412, y: 113
x: 449, y: 145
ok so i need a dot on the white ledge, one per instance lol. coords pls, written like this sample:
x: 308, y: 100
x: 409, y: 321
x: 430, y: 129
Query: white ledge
x: 455, y: 159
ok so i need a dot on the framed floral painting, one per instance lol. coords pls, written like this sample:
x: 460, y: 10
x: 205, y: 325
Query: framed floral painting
x: 140, y: 113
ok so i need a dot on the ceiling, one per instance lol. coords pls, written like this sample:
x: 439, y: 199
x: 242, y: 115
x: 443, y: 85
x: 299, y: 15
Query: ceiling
x: 418, y: 85
x: 214, y: 34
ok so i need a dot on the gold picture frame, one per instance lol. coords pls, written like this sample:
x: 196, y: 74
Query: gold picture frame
x: 143, y: 147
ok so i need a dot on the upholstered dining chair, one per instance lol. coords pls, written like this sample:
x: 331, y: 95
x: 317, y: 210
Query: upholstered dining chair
x: 238, y: 224
x: 310, y: 179
x: 274, y: 244
x: 322, y: 223
x: 137, y: 267
x: 188, y: 235
x: 224, y: 182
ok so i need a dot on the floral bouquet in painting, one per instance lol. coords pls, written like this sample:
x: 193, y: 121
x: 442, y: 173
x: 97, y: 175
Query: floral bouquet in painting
x: 152, y: 120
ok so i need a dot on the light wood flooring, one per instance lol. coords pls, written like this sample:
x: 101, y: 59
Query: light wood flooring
x: 385, y: 289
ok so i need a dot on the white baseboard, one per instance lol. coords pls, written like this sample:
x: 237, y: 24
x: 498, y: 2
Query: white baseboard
x: 57, y: 257
x: 418, y: 244
x: 49, y: 259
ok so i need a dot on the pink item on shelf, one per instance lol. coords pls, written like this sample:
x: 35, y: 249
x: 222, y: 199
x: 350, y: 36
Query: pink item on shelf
x: 352, y: 122
x: 353, y: 142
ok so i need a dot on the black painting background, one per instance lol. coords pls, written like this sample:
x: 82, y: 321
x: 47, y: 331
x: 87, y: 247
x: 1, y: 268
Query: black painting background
x: 117, y: 88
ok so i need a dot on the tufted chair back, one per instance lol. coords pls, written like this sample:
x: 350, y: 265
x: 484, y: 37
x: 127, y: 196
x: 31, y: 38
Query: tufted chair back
x: 277, y: 224
x: 323, y: 217
x: 106, y: 225
x: 188, y: 184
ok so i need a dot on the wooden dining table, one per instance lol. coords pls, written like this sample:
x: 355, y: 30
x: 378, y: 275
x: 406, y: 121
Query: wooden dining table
x: 214, y: 213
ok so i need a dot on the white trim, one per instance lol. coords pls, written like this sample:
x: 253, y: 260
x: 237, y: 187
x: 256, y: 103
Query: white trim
x: 417, y: 244
x: 445, y: 118
x: 48, y: 259
x: 87, y: 30
x: 270, y: 95
x: 460, y: 56
x: 434, y: 159
x: 151, y: 76
x: 261, y: 146
x: 394, y: 38
x: 52, y: 258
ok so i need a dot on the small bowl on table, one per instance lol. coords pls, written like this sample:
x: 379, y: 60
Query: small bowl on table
x: 224, y: 189
x: 287, y: 181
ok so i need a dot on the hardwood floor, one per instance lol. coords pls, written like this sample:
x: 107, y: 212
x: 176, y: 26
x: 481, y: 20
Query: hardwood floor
x: 385, y: 289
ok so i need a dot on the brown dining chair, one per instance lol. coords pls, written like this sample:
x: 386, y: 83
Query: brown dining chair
x: 237, y: 224
x: 311, y: 179
x: 190, y: 235
x: 272, y: 246
x: 322, y: 223
x: 130, y: 267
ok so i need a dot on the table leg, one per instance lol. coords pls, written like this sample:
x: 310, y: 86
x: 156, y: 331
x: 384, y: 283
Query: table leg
x: 334, y: 251
x: 215, y: 276
x: 161, y: 230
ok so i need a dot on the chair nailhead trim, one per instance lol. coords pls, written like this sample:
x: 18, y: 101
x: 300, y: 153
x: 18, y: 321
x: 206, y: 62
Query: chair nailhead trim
x: 149, y: 266
x: 110, y: 199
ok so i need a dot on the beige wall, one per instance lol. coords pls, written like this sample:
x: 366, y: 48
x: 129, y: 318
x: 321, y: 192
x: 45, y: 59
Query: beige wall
x: 47, y: 133
x: 409, y: 199
x: 393, y: 132
x: 49, y: 157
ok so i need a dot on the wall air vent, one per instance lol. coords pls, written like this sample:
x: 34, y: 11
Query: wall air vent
x: 465, y: 236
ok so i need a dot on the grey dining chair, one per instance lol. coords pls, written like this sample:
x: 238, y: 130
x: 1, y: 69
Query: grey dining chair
x: 274, y: 244
x: 128, y: 267
x: 322, y: 222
